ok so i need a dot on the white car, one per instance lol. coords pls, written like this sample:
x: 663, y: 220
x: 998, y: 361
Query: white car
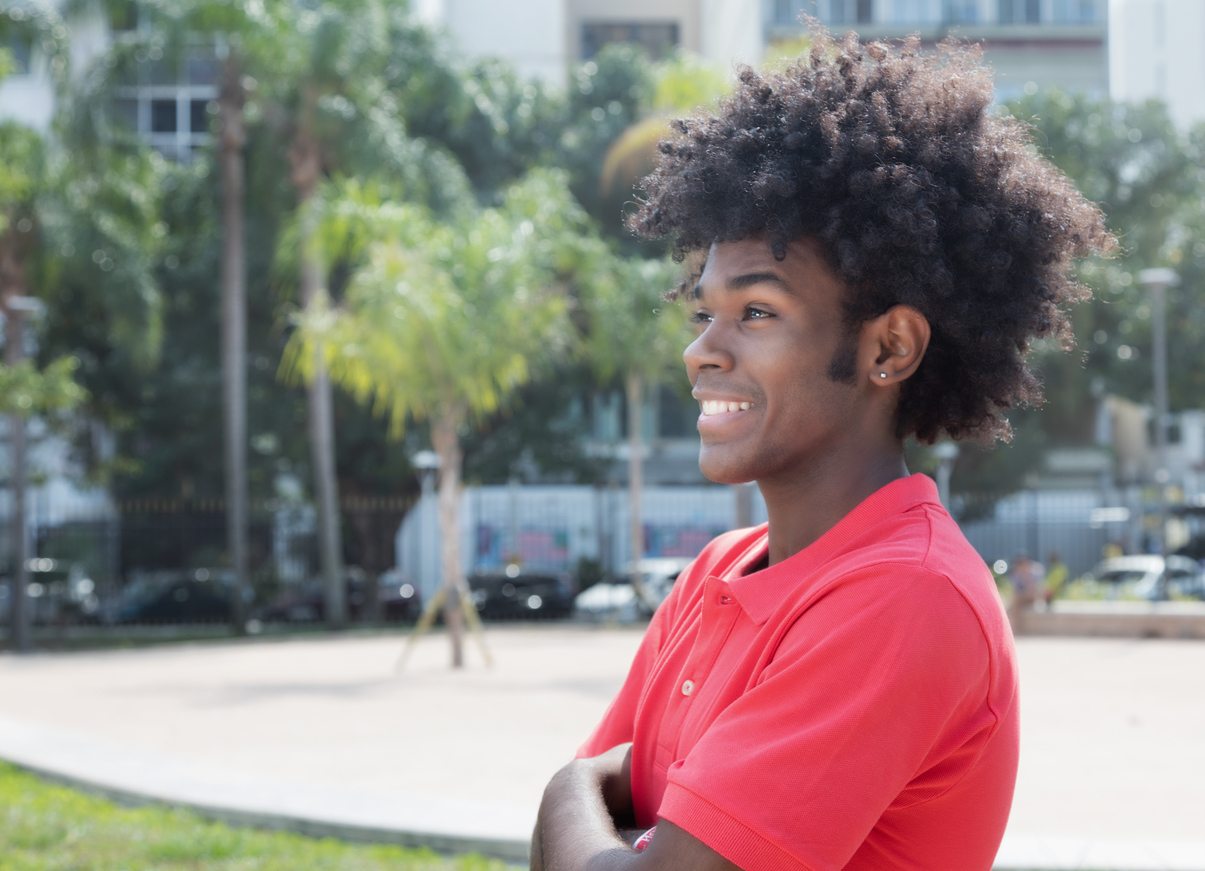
x: 1148, y: 576
x: 617, y: 601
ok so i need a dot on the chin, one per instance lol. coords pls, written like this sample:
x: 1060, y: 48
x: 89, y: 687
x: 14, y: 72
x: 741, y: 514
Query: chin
x: 719, y: 472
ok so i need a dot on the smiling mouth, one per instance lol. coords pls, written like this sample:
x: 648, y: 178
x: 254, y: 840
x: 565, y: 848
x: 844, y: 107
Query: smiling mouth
x: 719, y: 406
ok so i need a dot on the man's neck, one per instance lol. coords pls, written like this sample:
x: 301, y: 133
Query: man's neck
x: 802, y: 510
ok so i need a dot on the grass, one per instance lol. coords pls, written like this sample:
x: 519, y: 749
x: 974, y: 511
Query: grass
x: 46, y: 827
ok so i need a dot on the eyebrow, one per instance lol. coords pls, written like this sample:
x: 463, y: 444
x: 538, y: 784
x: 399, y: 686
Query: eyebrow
x: 747, y: 279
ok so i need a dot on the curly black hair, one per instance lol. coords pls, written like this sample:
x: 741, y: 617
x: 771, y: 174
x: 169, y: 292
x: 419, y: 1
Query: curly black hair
x: 917, y: 194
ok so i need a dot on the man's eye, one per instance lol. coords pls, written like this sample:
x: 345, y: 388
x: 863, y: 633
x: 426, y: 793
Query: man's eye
x: 756, y: 314
x: 700, y: 317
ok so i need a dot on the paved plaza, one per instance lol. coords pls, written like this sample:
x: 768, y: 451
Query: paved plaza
x: 321, y: 734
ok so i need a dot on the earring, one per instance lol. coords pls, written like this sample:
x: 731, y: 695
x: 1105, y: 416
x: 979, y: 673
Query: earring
x: 883, y: 375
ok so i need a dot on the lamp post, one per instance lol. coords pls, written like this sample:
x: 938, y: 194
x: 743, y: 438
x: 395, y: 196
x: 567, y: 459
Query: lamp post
x: 426, y: 463
x: 1156, y: 282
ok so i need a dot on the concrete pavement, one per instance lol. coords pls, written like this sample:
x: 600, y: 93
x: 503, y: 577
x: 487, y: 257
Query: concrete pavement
x: 321, y: 735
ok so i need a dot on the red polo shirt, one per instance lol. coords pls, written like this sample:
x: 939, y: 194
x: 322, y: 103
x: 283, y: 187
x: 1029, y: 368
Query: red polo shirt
x: 853, y: 706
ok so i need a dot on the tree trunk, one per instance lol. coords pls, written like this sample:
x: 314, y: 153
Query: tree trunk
x: 19, y: 616
x: 231, y: 101
x: 306, y: 168
x: 445, y: 438
x: 12, y: 289
x: 634, y: 388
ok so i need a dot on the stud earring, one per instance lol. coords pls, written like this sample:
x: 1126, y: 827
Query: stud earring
x: 883, y: 375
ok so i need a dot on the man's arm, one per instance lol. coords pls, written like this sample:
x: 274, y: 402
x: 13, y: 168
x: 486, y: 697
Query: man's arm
x: 576, y: 827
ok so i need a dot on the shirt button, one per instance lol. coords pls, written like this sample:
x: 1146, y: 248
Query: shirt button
x: 725, y: 599
x: 688, y: 687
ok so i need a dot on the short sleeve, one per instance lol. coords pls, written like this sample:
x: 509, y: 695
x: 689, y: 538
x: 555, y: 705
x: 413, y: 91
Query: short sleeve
x: 874, y: 683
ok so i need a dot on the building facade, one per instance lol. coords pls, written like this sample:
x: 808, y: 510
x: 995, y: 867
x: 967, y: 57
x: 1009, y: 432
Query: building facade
x: 1027, y: 43
x: 1155, y: 53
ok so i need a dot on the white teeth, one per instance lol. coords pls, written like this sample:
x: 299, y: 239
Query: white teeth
x: 716, y: 406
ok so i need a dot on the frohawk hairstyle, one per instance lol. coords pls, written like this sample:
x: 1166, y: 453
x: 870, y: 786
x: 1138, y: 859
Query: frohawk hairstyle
x: 917, y: 194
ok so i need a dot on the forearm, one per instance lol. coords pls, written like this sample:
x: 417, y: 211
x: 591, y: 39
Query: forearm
x: 575, y: 829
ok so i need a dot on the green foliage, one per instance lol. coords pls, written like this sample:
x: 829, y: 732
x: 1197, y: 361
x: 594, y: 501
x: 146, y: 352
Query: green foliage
x: 99, y: 276
x: 454, y: 314
x: 607, y: 95
x: 64, y: 231
x: 40, y: 26
x: 785, y: 52
x: 632, y: 328
x: 684, y: 82
x: 1149, y: 179
x: 497, y: 125
x: 44, y: 827
x: 543, y: 428
x: 26, y: 390
x: 22, y: 173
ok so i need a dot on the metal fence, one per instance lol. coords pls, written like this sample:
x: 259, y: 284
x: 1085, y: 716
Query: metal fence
x: 577, y: 532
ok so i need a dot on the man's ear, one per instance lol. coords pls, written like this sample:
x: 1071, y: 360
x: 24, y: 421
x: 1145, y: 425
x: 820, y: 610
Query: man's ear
x: 894, y: 343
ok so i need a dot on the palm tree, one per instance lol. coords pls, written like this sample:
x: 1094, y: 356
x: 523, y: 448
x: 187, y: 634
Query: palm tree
x: 55, y: 217
x: 444, y: 320
x: 632, y: 336
x: 174, y: 28
x: 316, y: 65
x: 328, y: 89
x: 19, y: 183
x: 682, y: 83
x: 625, y: 339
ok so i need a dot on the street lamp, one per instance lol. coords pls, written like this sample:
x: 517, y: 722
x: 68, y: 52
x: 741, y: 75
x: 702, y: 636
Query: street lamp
x: 1156, y: 282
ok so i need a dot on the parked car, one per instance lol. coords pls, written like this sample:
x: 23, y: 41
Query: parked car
x: 197, y: 596
x: 56, y: 593
x: 305, y: 602
x: 617, y: 600
x: 1148, y: 576
x: 400, y: 600
x: 518, y: 594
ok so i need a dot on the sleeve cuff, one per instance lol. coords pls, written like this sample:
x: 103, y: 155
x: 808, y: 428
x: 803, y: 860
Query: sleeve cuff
x: 729, y: 837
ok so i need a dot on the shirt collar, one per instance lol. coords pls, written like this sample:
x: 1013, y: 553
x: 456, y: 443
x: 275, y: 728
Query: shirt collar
x: 761, y: 592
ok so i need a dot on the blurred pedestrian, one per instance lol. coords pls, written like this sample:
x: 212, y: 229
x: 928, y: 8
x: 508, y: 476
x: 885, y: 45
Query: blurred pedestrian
x: 1056, y: 576
x: 1025, y: 578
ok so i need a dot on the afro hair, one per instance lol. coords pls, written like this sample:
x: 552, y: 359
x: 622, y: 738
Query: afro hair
x: 918, y: 195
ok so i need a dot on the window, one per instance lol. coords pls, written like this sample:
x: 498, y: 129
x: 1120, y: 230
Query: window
x: 915, y: 13
x: 849, y: 12
x: 961, y: 11
x: 788, y: 12
x: 1020, y: 11
x: 198, y: 115
x: 658, y: 38
x: 163, y: 116
x: 1077, y: 11
x: 167, y: 102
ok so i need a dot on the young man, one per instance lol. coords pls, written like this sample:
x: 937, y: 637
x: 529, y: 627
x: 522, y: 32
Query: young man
x: 837, y: 688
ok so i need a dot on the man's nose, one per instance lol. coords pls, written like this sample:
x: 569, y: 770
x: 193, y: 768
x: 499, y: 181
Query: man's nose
x: 709, y: 350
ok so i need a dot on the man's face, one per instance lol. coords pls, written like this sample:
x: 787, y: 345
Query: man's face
x: 771, y: 365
